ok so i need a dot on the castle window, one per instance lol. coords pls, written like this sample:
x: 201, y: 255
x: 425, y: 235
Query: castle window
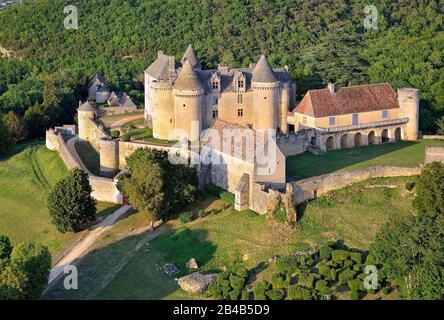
x: 215, y: 114
x: 240, y: 112
x: 184, y: 105
x: 385, y: 114
x: 332, y: 121
x: 215, y: 85
x: 171, y: 120
x: 239, y: 98
x: 241, y: 83
x: 355, y: 119
x: 215, y: 100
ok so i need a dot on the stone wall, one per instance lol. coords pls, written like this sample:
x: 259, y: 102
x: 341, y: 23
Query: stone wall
x: 69, y: 160
x: 295, y: 143
x: 434, y: 154
x: 96, y: 133
x: 115, y: 110
x: 313, y: 187
x: 105, y: 189
x: 262, y: 197
x: 433, y: 137
x: 52, y: 140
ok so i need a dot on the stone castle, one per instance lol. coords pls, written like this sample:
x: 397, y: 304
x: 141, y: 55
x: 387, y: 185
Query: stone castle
x: 181, y: 96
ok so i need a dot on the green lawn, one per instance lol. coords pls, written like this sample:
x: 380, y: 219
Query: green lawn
x: 402, y: 154
x: 138, y: 122
x: 124, y: 263
x: 26, y: 176
x: 89, y: 156
x: 146, y: 134
x: 110, y: 119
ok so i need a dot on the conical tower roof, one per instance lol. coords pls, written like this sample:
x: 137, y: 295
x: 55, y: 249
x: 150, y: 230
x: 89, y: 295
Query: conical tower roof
x: 187, y: 79
x: 263, y: 72
x: 191, y: 56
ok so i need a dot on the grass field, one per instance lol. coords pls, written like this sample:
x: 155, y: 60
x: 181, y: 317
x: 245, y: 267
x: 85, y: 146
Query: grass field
x: 402, y: 154
x: 89, y: 156
x: 26, y: 176
x: 124, y: 264
x: 110, y: 119
x: 146, y: 134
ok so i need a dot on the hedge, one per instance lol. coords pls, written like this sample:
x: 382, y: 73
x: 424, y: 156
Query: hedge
x: 325, y: 253
x: 275, y: 294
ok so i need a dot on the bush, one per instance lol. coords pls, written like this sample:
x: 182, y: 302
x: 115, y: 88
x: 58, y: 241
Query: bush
x: 371, y: 291
x: 275, y: 294
x: 240, y: 270
x: 259, y: 291
x: 237, y: 282
x: 385, y: 291
x: 226, y: 292
x: 215, y: 290
x: 357, y: 267
x: 321, y: 284
x: 356, y: 285
x: 298, y: 293
x: 338, y: 256
x: 278, y: 280
x: 348, y: 263
x: 354, y: 295
x: 245, y: 295
x: 126, y: 137
x: 356, y: 257
x: 324, y: 270
x: 228, y: 197
x: 410, y: 185
x: 186, y: 217
x: 325, y: 253
x: 224, y: 283
x: 5, y: 247
x: 234, y: 294
x: 346, y: 276
x: 222, y: 276
x: 333, y: 274
x: 287, y: 264
x: 115, y: 134
x: 202, y: 213
x: 306, y: 280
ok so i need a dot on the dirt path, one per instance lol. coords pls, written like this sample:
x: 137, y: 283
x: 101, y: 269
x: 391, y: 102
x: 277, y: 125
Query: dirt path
x: 79, y: 250
x: 118, y: 124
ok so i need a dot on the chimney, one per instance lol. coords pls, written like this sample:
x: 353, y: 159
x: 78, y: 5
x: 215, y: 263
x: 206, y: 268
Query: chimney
x: 331, y: 88
x: 159, y: 53
x: 171, y: 63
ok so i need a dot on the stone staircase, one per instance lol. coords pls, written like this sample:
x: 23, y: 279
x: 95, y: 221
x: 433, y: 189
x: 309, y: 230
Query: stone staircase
x: 316, y: 150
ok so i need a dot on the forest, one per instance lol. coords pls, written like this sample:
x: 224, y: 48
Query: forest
x: 320, y: 41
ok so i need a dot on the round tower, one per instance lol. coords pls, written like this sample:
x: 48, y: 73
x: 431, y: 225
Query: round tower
x: 163, y: 119
x: 85, y: 113
x: 265, y: 96
x: 408, y: 99
x: 188, y: 100
x: 109, y: 157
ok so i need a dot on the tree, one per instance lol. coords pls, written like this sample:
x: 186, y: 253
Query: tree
x: 5, y: 247
x: 13, y: 283
x: 16, y: 126
x: 70, y: 203
x: 35, y: 120
x: 430, y: 190
x: 5, y: 138
x: 440, y: 124
x: 156, y: 186
x: 34, y: 260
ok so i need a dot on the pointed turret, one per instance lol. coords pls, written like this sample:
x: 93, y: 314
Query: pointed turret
x: 191, y: 56
x: 187, y: 79
x: 263, y: 72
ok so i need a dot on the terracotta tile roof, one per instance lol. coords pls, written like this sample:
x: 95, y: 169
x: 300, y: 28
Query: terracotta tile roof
x: 347, y: 100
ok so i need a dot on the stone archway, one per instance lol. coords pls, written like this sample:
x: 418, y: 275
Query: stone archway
x: 371, y: 138
x: 330, y: 143
x: 398, y: 134
x: 385, y: 136
x: 358, y: 140
x: 344, y: 141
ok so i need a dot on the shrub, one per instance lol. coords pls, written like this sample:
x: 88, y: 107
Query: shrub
x: 240, y: 270
x: 354, y: 295
x: 224, y: 283
x: 228, y: 197
x: 226, y: 292
x: 261, y: 288
x: 356, y: 257
x: 222, y: 276
x: 339, y: 256
x: 409, y: 185
x: 5, y: 247
x: 275, y: 294
x: 325, y: 253
x: 237, y: 282
x: 385, y: 291
x: 357, y: 267
x: 278, y: 280
x: 245, y: 295
x: 214, y: 290
x: 287, y: 264
x: 186, y: 217
x: 346, y: 276
x: 333, y: 274
x: 356, y: 285
x: 306, y: 280
x: 298, y: 293
x: 202, y: 213
x: 321, y: 284
x: 324, y: 270
x: 371, y: 291
x: 126, y: 137
x: 234, y: 294
x: 309, y: 262
x: 115, y: 134
x: 348, y: 263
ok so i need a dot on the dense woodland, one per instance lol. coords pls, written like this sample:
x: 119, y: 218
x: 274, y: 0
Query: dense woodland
x: 320, y: 41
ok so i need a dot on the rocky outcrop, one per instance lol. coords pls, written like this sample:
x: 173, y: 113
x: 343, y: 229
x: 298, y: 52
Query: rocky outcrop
x: 196, y: 282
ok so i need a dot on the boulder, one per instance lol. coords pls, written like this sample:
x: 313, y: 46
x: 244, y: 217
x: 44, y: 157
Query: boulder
x: 196, y: 282
x: 192, y: 264
x: 170, y: 269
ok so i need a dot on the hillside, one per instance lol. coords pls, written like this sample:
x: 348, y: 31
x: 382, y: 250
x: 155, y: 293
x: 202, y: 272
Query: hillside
x: 320, y: 41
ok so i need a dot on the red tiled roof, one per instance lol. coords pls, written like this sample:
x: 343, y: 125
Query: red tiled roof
x: 354, y: 99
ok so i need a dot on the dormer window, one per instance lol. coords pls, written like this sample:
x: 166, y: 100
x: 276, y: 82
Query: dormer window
x: 241, y: 83
x: 215, y: 85
x: 215, y: 82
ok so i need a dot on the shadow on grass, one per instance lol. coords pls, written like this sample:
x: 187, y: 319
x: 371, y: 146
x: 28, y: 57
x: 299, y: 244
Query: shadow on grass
x: 308, y: 165
x: 16, y: 149
x: 131, y: 268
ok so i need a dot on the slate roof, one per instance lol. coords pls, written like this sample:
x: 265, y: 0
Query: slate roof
x: 159, y: 68
x: 187, y: 79
x: 99, y: 78
x: 263, y: 72
x: 86, y: 107
x: 191, y: 56
x: 348, y: 100
x: 113, y: 100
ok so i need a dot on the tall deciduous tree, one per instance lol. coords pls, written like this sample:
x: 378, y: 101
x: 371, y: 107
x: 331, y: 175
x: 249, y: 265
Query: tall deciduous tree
x: 70, y: 203
x: 5, y: 137
x: 15, y: 125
